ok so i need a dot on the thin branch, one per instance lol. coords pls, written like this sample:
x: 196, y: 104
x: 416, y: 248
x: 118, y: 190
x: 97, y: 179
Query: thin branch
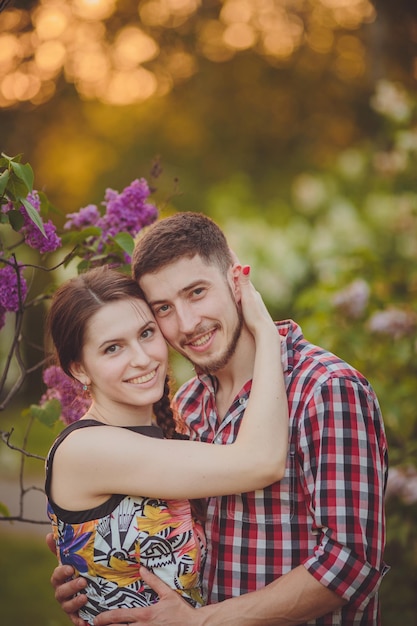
x: 18, y: 383
x: 13, y: 349
x: 5, y: 437
x: 55, y: 267
x: 37, y: 365
x: 19, y: 518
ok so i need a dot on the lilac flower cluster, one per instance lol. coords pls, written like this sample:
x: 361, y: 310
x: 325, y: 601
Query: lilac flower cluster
x: 13, y: 290
x: 33, y: 236
x: 87, y: 216
x: 127, y: 212
x: 68, y: 391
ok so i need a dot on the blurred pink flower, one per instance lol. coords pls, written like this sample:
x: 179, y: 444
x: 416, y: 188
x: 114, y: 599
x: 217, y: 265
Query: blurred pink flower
x: 353, y: 299
x: 393, y: 322
x: 402, y: 483
x: 69, y: 392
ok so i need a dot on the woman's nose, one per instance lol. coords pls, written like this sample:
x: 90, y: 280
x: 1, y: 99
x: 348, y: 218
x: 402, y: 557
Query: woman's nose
x: 139, y: 356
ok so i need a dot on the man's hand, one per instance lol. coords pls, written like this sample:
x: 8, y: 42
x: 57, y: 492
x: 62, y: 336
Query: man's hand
x: 50, y: 542
x: 170, y: 610
x: 66, y: 589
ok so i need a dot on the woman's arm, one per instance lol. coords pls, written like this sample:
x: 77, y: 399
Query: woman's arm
x: 119, y: 461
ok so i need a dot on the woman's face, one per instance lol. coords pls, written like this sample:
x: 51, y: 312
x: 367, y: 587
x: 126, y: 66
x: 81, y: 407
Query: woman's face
x: 124, y: 359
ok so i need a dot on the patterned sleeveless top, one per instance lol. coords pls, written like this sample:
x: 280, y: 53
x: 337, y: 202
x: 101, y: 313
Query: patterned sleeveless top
x: 107, y: 544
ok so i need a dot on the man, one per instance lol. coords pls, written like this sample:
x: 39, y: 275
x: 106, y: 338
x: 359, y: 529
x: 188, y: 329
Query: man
x: 306, y: 549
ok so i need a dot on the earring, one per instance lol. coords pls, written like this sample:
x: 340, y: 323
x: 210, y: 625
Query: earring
x: 85, y: 387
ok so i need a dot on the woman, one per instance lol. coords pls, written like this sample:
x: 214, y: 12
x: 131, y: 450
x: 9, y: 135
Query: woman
x: 106, y: 337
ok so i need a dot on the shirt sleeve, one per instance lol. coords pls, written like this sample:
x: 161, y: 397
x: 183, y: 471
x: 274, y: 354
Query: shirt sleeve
x: 344, y: 456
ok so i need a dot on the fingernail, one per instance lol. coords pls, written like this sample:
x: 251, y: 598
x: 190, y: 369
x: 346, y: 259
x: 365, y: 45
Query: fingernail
x: 246, y: 270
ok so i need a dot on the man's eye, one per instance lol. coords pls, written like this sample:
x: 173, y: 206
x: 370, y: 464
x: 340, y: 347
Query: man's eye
x: 160, y: 310
x: 198, y: 291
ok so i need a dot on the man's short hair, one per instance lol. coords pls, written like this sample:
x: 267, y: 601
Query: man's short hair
x: 182, y: 235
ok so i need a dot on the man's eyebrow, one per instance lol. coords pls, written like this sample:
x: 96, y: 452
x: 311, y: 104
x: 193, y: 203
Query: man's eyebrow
x: 183, y: 291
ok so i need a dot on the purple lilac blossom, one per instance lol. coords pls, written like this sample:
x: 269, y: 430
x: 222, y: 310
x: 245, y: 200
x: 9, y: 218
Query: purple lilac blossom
x: 87, y: 216
x: 10, y: 297
x: 69, y: 392
x: 33, y: 236
x: 127, y: 211
x: 35, y: 239
x: 8, y: 206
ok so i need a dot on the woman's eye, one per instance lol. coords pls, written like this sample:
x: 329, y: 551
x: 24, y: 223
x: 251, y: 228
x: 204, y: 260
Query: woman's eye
x: 147, y: 333
x: 112, y: 349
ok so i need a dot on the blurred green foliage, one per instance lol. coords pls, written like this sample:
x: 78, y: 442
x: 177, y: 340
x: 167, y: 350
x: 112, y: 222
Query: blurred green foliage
x: 26, y: 596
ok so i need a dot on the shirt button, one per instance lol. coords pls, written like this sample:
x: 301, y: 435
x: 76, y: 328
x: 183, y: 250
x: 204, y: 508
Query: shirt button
x: 242, y: 400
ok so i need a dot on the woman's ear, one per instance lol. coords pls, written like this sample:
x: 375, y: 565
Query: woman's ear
x: 78, y: 372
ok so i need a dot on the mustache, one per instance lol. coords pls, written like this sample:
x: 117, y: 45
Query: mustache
x: 197, y: 332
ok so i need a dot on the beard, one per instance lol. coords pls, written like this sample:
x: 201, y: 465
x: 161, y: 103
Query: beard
x: 210, y: 367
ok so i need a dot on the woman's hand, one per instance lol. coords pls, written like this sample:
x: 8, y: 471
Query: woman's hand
x: 255, y: 313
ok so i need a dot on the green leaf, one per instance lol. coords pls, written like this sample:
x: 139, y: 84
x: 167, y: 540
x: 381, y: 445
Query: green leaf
x: 24, y: 172
x: 16, y: 188
x: 34, y: 215
x: 4, y: 511
x: 83, y: 266
x: 4, y: 179
x: 16, y: 220
x: 47, y: 207
x: 126, y: 242
x: 48, y: 414
x: 75, y: 237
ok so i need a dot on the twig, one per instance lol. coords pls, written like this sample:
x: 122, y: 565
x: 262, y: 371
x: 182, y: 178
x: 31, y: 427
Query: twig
x: 5, y: 437
x: 19, y: 518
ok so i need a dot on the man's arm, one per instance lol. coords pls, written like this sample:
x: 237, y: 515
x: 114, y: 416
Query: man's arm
x: 292, y: 599
x: 67, y: 588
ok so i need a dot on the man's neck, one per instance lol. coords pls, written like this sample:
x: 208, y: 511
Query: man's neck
x: 236, y: 373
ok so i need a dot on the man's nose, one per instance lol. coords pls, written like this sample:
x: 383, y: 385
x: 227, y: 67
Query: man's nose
x: 188, y: 319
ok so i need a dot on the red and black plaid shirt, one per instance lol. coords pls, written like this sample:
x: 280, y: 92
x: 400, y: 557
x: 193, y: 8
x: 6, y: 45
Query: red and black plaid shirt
x: 327, y: 513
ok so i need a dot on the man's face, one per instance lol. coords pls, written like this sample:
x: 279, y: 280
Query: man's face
x: 195, y: 307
